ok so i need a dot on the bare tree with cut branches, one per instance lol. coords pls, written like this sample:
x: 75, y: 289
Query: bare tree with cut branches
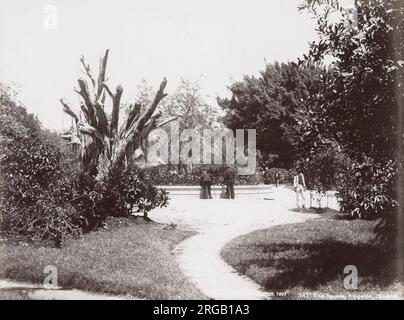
x: 104, y: 143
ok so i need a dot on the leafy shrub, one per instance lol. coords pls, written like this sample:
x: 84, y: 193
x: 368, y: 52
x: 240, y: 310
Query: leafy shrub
x: 285, y: 175
x: 45, y: 203
x: 366, y: 190
x: 15, y: 121
x: 173, y: 178
x: 162, y: 175
x: 43, y: 220
x: 28, y: 168
x: 129, y: 190
x: 47, y: 199
x: 40, y: 200
x: 360, y: 106
x: 34, y: 205
x: 323, y: 165
x: 85, y: 197
x: 33, y: 202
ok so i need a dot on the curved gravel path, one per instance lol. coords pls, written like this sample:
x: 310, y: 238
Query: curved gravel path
x: 218, y: 221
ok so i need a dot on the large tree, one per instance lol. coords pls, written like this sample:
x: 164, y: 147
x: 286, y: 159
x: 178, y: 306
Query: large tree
x: 188, y: 105
x: 365, y: 47
x: 268, y: 103
x: 360, y: 107
x: 105, y: 143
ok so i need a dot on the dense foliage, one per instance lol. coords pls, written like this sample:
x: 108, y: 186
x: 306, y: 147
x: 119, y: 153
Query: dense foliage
x: 323, y: 166
x: 359, y: 108
x: 269, y: 103
x: 190, y: 109
x: 32, y: 204
x: 360, y: 104
x: 163, y: 175
x: 44, y: 197
x: 129, y: 190
x: 366, y: 189
x: 338, y: 124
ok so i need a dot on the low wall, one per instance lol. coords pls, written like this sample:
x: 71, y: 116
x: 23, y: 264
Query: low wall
x: 256, y: 191
x: 284, y: 193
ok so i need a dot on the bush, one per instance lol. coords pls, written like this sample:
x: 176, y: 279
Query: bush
x: 85, y: 197
x: 366, y: 190
x: 126, y: 191
x: 34, y: 202
x: 323, y: 165
x: 163, y: 175
x: 28, y: 168
x: 44, y: 203
x: 42, y: 221
x: 46, y: 199
x: 285, y: 175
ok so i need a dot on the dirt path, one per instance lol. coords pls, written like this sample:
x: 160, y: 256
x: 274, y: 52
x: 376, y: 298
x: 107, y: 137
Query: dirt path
x: 218, y: 222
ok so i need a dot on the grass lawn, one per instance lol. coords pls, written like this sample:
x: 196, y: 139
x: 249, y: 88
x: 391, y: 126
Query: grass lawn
x: 132, y: 257
x: 307, y: 260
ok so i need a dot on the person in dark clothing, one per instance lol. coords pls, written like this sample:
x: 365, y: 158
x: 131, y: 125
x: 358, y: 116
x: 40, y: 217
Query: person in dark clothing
x: 206, y: 183
x: 229, y: 180
x: 267, y: 176
x: 277, y: 178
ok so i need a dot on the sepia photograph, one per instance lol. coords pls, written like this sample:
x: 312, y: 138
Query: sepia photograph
x: 201, y: 155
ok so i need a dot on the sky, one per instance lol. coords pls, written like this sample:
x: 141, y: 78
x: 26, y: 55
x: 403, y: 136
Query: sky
x: 213, y: 41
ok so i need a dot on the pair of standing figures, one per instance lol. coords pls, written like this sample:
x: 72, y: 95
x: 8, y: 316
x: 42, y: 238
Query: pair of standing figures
x: 207, y: 180
x: 268, y: 177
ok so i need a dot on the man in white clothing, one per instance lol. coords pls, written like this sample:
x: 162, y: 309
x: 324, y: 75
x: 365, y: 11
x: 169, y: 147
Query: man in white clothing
x: 300, y: 185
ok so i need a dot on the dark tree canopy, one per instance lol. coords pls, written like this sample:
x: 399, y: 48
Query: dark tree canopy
x: 361, y: 104
x: 269, y: 103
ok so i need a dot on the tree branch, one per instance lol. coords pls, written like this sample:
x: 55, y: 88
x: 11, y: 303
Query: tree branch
x: 134, y: 114
x: 164, y: 122
x: 89, y: 130
x: 67, y: 109
x: 135, y: 130
x: 85, y: 111
x: 108, y: 90
x: 87, y: 70
x: 139, y: 124
x: 101, y: 76
x: 116, y: 101
x: 102, y: 120
x: 150, y: 125
x: 85, y: 94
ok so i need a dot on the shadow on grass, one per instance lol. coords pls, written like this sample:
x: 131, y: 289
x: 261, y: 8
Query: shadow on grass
x: 315, y: 210
x: 311, y: 265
